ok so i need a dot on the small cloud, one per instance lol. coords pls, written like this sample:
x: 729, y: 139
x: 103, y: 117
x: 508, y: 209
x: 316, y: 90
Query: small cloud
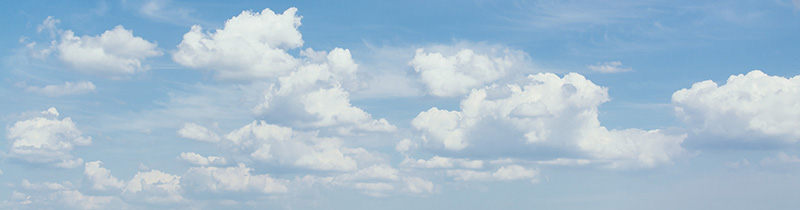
x: 609, y: 67
x: 49, y: 24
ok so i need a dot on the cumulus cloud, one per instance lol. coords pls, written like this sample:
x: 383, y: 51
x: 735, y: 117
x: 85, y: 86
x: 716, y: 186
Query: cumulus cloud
x: 69, y: 88
x: 197, y: 132
x: 316, y: 95
x: 196, y: 159
x: 449, y: 72
x: 231, y: 179
x: 544, y: 111
x: 251, y: 45
x: 115, y: 53
x: 752, y: 107
x: 46, y: 139
x: 609, y: 67
x: 100, y: 177
x: 153, y: 187
x: 282, y: 145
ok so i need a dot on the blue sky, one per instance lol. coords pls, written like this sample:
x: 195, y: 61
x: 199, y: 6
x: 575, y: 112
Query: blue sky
x: 159, y: 104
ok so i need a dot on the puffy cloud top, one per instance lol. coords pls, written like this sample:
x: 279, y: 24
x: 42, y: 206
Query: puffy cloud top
x: 116, y: 52
x: 454, y: 75
x: 46, y: 139
x: 753, y: 106
x: 545, y: 111
x: 249, y: 46
x: 231, y: 179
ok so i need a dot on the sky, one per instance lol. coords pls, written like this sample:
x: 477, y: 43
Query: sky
x: 541, y: 104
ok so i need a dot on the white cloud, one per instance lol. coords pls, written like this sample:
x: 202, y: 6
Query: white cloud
x: 164, y: 10
x: 545, y: 111
x: 282, y: 145
x: 69, y: 88
x: 404, y: 145
x: 115, y: 53
x: 753, y: 107
x: 250, y: 46
x: 231, y: 179
x: 196, y: 159
x: 78, y: 200
x: 609, y: 67
x: 504, y: 173
x: 418, y: 185
x: 153, y: 187
x: 46, y: 139
x: 449, y: 73
x: 49, y: 24
x: 45, y: 185
x: 197, y: 132
x: 375, y: 172
x: 441, y: 162
x: 316, y: 95
x: 382, y: 180
x: 100, y: 177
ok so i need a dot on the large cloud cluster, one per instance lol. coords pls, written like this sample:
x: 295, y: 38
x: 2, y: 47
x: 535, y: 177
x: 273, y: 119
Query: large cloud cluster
x: 544, y: 111
x: 749, y: 107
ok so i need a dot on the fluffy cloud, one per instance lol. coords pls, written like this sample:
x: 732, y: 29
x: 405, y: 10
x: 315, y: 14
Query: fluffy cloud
x: 249, y: 46
x: 100, y: 177
x: 750, y: 107
x: 46, y: 139
x: 231, y: 179
x: 197, y: 159
x: 282, y: 145
x: 153, y: 187
x: 450, y: 72
x: 115, y: 53
x: 316, y: 95
x: 545, y: 111
x: 197, y: 132
x: 69, y: 88
x: 609, y: 67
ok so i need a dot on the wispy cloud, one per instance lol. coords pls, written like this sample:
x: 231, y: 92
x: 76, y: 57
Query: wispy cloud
x: 609, y: 67
x: 165, y: 11
x: 68, y: 88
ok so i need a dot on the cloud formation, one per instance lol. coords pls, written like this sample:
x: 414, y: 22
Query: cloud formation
x: 609, y: 67
x: 250, y: 46
x: 115, y: 53
x: 547, y: 111
x: 749, y: 107
x: 46, y: 139
x: 449, y: 72
x: 230, y: 179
